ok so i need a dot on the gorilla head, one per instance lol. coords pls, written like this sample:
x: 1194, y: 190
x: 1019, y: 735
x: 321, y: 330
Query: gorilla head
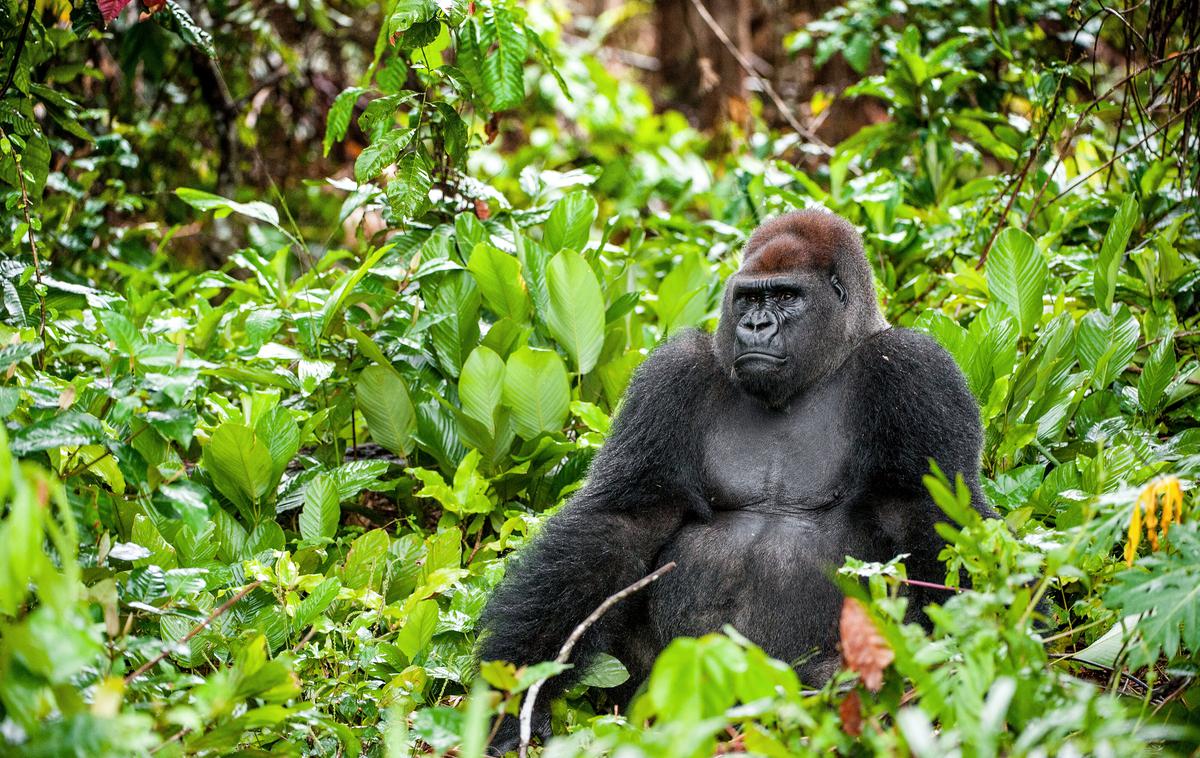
x: 802, y: 300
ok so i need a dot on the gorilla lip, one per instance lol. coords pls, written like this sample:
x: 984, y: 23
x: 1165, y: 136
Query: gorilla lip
x: 777, y: 360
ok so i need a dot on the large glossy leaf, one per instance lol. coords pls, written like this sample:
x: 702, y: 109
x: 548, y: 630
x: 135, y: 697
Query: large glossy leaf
x: 1157, y: 373
x: 70, y: 429
x: 1016, y: 277
x: 384, y: 402
x: 1106, y: 343
x: 206, y: 201
x: 683, y: 295
x: 576, y: 312
x: 499, y: 277
x: 455, y: 302
x: 504, y: 67
x: 537, y: 391
x: 1112, y: 250
x: 321, y: 513
x: 279, y: 432
x: 481, y: 386
x: 240, y: 466
x: 408, y: 190
x: 570, y: 222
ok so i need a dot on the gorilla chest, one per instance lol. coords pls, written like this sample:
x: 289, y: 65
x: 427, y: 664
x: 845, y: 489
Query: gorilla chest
x: 777, y: 462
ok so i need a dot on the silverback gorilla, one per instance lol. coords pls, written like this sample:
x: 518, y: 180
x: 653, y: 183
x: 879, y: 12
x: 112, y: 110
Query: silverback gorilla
x: 757, y: 459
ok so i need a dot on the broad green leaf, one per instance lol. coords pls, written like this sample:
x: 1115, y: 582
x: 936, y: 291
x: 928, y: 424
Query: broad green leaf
x: 537, y: 391
x: 380, y: 154
x: 455, y: 302
x: 321, y: 513
x: 384, y: 402
x: 418, y: 628
x: 206, y: 201
x: 683, y: 295
x: 1016, y: 277
x: 1157, y: 373
x: 279, y: 432
x: 10, y: 354
x: 481, y: 386
x: 501, y: 282
x: 1112, y: 250
x: 693, y: 679
x: 316, y: 603
x: 504, y: 67
x: 1106, y: 343
x: 346, y: 285
x: 576, y: 312
x: 405, y: 13
x: 69, y: 429
x: 366, y: 561
x: 121, y: 331
x: 604, y: 671
x: 240, y: 466
x: 408, y: 191
x: 570, y: 222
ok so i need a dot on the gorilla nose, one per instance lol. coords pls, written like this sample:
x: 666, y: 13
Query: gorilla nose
x: 757, y: 331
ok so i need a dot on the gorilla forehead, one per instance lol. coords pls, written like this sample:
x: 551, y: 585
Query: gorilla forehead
x: 811, y: 240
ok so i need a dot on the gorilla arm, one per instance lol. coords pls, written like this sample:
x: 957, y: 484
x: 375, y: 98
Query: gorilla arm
x: 642, y: 484
x: 914, y: 405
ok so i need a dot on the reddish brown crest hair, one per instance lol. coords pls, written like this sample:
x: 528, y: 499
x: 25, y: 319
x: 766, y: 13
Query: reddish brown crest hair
x: 801, y: 240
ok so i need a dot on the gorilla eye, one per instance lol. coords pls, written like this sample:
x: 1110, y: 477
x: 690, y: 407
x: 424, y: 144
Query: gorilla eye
x: 838, y: 288
x: 786, y: 296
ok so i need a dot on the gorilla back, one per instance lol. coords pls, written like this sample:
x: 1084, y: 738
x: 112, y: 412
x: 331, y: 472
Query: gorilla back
x: 757, y: 459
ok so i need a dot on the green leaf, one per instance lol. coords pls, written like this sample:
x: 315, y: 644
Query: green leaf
x: 367, y: 559
x: 405, y: 13
x: 318, y: 600
x: 683, y: 295
x: 537, y: 391
x: 408, y: 190
x: 576, y: 313
x: 694, y: 679
x: 1112, y: 250
x: 206, y: 201
x: 604, y: 671
x: 1016, y: 277
x: 70, y: 429
x: 418, y: 628
x: 380, y: 154
x: 1157, y: 373
x: 384, y: 402
x: 504, y: 68
x: 321, y: 513
x: 12, y: 354
x: 501, y: 282
x: 177, y: 20
x: 455, y: 301
x: 570, y: 223
x: 1106, y: 343
x: 240, y: 466
x: 481, y: 386
x: 337, y: 121
x: 278, y: 430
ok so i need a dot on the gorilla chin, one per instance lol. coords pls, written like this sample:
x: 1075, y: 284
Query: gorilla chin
x: 764, y: 376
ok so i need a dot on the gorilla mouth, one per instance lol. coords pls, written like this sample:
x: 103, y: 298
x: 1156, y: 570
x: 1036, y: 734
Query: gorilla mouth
x: 753, y: 356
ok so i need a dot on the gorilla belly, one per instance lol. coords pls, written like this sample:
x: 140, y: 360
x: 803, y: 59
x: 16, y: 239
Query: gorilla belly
x: 769, y: 576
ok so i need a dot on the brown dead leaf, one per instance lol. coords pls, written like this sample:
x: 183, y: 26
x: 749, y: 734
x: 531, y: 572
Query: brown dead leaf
x: 864, y: 650
x: 482, y: 210
x: 851, y: 712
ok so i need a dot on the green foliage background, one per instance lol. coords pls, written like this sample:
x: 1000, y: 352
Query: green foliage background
x: 266, y: 449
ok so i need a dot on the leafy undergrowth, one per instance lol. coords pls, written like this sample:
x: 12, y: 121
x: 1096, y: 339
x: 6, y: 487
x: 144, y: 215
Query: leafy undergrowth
x: 258, y: 506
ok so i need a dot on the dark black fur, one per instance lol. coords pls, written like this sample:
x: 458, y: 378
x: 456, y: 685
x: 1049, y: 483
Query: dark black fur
x: 757, y: 459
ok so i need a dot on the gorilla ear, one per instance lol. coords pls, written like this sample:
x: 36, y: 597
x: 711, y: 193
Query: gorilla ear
x: 838, y: 288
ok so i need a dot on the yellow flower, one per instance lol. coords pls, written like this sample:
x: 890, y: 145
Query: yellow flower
x: 1147, y: 517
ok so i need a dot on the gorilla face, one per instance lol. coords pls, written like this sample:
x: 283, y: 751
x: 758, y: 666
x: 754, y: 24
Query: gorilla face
x: 781, y: 332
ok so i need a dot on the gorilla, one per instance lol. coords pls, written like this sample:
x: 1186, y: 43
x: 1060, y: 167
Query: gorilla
x: 757, y: 459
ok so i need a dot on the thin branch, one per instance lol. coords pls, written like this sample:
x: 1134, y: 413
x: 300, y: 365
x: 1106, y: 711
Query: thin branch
x: 569, y: 645
x: 12, y: 69
x: 769, y: 88
x: 196, y: 630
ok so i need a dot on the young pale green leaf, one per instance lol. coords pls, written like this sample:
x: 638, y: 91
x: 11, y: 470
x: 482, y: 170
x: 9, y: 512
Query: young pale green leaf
x: 206, y: 201
x: 1157, y: 373
x: 481, y: 386
x: 384, y: 402
x: 537, y: 391
x: 418, y: 628
x: 121, y: 332
x: 366, y: 561
x: 1016, y: 277
x: 570, y: 222
x: 499, y: 277
x: 1112, y: 250
x: 321, y: 513
x: 240, y: 465
x: 318, y: 600
x: 1106, y: 343
x: 576, y: 313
